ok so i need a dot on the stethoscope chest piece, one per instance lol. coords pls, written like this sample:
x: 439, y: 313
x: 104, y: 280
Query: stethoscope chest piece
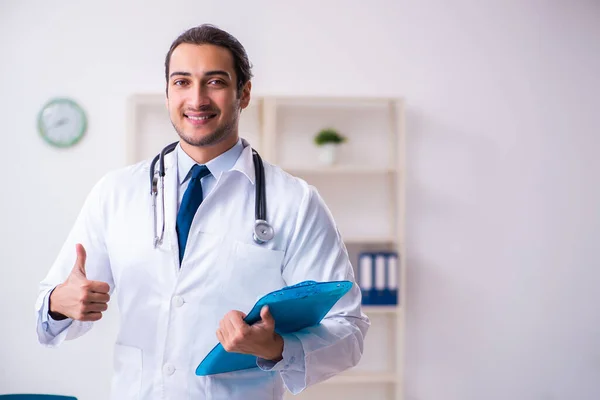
x: 263, y: 231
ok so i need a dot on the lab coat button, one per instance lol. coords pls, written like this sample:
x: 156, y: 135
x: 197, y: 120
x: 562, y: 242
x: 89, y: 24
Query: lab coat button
x: 177, y: 301
x: 168, y: 369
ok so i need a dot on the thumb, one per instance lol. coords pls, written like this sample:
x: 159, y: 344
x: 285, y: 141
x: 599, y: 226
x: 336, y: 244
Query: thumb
x: 80, y: 261
x: 267, y: 318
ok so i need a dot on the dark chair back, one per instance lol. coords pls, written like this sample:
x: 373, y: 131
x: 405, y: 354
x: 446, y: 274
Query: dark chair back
x: 35, y: 397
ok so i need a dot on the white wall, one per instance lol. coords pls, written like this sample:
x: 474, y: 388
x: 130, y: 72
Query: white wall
x: 503, y: 186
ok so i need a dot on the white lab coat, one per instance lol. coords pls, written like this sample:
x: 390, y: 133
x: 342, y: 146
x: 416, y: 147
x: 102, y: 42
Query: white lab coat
x: 169, y: 314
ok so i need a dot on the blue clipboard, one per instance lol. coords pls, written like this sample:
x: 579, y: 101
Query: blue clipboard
x: 293, y: 308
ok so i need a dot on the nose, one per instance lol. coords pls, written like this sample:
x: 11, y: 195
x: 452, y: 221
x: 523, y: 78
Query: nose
x: 199, y: 97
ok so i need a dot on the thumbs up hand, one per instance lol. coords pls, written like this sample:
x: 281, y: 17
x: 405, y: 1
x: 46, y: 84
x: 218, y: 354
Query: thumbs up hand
x: 79, y: 298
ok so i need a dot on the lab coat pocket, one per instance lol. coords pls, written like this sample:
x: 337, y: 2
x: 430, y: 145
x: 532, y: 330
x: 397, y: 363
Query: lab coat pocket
x: 252, y: 272
x: 127, y: 378
x: 242, y: 385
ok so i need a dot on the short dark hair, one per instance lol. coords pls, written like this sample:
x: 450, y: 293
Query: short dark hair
x: 210, y: 34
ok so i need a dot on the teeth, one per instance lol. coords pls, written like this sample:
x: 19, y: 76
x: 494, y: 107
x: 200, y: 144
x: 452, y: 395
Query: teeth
x: 199, y: 118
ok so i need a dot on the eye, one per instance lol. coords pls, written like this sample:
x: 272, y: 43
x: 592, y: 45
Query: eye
x: 180, y: 82
x: 217, y: 82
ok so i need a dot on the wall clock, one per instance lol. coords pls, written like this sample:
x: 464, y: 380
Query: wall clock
x: 62, y: 122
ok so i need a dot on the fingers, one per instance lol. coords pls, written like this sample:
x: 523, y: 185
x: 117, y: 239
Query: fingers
x: 232, y: 322
x: 237, y: 320
x: 267, y: 318
x: 93, y: 303
x: 233, y: 331
x: 258, y: 339
x: 90, y: 312
x: 97, y: 298
x: 91, y: 316
x: 227, y: 328
x: 220, y: 336
x: 95, y: 307
x: 97, y: 287
x: 264, y: 313
x: 79, y: 267
x: 223, y: 334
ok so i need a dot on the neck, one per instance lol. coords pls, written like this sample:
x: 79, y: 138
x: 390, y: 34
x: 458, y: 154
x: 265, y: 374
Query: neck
x: 203, y: 154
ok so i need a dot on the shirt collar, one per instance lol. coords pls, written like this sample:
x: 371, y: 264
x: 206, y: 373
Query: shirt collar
x: 245, y: 163
x: 216, y: 166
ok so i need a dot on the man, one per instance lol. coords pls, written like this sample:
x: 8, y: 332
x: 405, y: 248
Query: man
x: 178, y: 299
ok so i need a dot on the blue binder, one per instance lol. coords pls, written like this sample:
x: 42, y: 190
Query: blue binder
x: 378, y: 277
x: 293, y: 308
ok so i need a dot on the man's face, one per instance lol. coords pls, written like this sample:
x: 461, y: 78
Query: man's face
x: 202, y: 95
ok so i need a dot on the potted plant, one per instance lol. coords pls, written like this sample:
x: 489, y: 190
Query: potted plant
x: 328, y: 140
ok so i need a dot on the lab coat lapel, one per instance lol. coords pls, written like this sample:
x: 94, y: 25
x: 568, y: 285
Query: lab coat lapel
x: 171, y: 206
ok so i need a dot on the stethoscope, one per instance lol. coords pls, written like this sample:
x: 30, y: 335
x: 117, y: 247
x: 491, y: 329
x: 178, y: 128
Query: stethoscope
x: 263, y: 231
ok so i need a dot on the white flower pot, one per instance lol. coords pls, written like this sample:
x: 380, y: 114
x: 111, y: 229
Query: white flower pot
x: 328, y: 153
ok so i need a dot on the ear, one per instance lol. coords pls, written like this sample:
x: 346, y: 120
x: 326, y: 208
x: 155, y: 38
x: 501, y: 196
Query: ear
x: 245, y: 97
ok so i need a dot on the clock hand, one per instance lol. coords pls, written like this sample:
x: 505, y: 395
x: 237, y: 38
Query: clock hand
x: 60, y: 122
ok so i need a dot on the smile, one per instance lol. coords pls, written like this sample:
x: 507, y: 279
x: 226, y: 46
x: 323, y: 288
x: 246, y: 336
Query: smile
x: 200, y: 117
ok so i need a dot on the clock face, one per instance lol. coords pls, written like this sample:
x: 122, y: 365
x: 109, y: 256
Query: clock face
x: 62, y: 122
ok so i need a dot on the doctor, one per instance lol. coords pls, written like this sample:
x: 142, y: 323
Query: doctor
x: 178, y: 299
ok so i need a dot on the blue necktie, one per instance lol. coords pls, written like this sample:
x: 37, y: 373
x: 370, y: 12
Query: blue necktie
x: 189, y: 205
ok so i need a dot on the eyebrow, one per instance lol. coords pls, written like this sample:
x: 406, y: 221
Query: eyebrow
x: 207, y: 73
